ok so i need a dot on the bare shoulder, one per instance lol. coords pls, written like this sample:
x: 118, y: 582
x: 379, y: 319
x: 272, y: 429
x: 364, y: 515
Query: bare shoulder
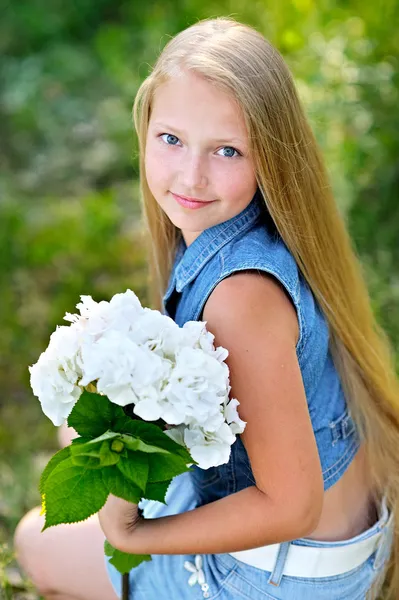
x: 252, y: 316
x: 252, y: 298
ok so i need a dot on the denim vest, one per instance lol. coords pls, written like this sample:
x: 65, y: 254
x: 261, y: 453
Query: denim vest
x: 250, y: 241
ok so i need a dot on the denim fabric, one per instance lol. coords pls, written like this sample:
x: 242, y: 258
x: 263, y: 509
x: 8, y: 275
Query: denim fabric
x: 226, y: 578
x: 250, y: 241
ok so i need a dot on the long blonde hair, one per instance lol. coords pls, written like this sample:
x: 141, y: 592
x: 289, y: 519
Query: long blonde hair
x: 294, y: 183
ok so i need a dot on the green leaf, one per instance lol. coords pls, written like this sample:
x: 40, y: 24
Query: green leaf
x: 122, y: 561
x: 86, y: 449
x: 51, y: 465
x: 163, y: 468
x: 108, y: 549
x: 107, y: 456
x: 152, y: 434
x: 107, y: 435
x: 121, y: 421
x: 73, y: 493
x: 94, y: 447
x: 92, y: 414
x: 86, y: 455
x: 83, y: 460
x: 119, y: 485
x: 157, y: 491
x: 80, y: 440
x: 95, y: 456
x: 133, y: 443
x: 135, y: 467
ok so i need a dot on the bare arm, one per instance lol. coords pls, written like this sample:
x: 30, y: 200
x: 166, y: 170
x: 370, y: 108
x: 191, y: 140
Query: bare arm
x: 251, y: 316
x: 247, y: 519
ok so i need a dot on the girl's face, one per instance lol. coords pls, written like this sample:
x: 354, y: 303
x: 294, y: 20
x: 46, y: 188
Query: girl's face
x: 196, y: 160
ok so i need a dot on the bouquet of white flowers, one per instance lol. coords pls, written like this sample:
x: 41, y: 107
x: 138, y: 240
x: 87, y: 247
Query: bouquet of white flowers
x: 148, y: 399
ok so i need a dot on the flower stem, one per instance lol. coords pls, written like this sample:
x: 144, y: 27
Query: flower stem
x: 125, y: 586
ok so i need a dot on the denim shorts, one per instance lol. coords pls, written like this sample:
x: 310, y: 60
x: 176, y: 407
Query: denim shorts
x: 223, y: 577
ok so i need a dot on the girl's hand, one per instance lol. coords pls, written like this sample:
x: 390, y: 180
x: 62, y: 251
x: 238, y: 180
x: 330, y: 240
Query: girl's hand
x: 118, y: 519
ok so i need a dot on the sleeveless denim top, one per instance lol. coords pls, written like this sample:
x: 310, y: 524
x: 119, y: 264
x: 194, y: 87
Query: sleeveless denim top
x: 250, y: 241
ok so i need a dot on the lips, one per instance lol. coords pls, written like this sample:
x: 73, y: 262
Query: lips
x: 191, y: 199
x: 187, y: 202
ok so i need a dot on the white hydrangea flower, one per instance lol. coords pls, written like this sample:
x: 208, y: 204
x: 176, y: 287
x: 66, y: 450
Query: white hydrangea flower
x: 230, y: 413
x: 209, y: 449
x: 125, y: 310
x: 211, y: 422
x: 154, y: 407
x: 176, y: 433
x: 196, y: 335
x: 197, y: 384
x: 55, y: 375
x: 122, y: 370
x: 120, y: 314
x: 134, y: 355
x: 156, y: 332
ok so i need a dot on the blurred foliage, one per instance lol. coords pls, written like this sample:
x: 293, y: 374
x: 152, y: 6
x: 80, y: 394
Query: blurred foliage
x: 69, y: 210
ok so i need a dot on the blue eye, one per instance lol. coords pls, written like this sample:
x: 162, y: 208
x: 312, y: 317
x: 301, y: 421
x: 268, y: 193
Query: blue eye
x: 171, y: 140
x: 231, y: 151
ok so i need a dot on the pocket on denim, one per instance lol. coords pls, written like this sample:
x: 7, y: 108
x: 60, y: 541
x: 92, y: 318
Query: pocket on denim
x: 217, y: 574
x: 352, y: 585
x: 239, y: 587
x: 247, y: 582
x: 251, y: 583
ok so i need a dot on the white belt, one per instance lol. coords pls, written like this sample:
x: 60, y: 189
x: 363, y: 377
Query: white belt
x: 309, y: 561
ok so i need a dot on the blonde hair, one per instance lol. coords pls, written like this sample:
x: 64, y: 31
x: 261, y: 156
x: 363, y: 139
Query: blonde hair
x: 294, y: 183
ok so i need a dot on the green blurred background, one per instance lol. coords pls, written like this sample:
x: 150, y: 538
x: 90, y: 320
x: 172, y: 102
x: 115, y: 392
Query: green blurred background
x: 69, y: 210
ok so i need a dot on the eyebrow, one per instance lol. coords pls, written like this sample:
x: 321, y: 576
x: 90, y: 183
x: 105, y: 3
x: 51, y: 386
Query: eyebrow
x: 216, y: 141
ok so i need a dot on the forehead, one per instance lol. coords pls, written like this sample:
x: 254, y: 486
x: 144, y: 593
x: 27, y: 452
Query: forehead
x: 189, y: 101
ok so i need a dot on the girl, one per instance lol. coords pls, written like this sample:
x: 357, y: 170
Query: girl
x: 245, y: 234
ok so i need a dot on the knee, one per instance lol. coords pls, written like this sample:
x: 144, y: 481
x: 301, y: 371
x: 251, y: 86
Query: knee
x: 27, y: 545
x: 27, y: 533
x: 65, y: 435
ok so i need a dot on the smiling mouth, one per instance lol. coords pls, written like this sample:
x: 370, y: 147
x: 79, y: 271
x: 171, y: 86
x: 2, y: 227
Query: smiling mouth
x: 189, y: 199
x: 190, y: 204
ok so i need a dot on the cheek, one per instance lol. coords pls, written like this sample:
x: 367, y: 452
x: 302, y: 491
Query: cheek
x: 157, y: 167
x: 238, y: 181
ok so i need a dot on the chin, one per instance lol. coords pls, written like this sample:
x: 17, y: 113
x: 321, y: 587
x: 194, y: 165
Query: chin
x: 188, y: 222
x: 190, y: 227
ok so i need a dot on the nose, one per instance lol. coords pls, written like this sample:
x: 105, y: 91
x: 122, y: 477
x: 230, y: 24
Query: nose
x: 193, y: 172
